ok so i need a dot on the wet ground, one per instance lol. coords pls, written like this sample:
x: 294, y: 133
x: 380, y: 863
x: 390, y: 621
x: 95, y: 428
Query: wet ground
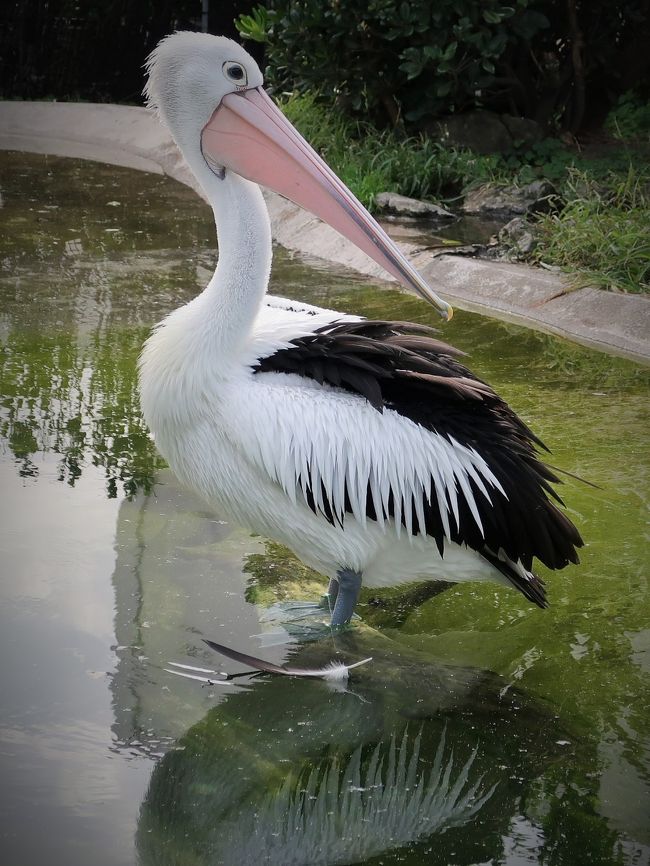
x: 484, y: 731
x: 443, y: 235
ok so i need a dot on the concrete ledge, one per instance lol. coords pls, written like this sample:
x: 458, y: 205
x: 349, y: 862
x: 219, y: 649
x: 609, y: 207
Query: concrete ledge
x: 131, y: 137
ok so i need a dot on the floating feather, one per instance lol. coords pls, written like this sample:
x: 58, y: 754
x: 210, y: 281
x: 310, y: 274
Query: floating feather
x: 332, y: 671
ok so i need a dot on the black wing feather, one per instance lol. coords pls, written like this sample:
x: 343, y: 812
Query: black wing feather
x: 403, y: 367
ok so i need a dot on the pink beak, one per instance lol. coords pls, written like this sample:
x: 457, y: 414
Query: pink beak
x: 249, y: 135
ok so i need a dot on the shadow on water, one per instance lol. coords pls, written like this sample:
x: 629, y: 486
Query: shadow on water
x: 413, y: 751
x: 414, y: 762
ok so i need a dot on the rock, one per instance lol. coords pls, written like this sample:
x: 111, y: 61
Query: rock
x: 523, y: 131
x: 519, y: 237
x: 485, y: 131
x: 535, y: 197
x: 401, y: 205
x: 481, y: 131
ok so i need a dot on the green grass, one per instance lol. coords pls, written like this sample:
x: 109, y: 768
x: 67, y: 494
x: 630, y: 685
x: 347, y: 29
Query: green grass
x: 369, y: 161
x: 602, y: 235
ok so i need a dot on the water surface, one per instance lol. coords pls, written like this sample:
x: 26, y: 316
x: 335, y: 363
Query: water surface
x: 485, y: 731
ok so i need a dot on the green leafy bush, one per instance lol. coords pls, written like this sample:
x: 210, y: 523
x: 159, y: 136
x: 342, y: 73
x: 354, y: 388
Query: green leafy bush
x: 413, y: 59
x: 552, y: 159
x: 410, y: 61
x: 630, y: 118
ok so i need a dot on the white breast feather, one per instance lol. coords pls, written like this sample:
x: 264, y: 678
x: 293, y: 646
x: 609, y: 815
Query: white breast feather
x: 302, y: 433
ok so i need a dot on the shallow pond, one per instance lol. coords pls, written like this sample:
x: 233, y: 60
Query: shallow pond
x: 484, y: 731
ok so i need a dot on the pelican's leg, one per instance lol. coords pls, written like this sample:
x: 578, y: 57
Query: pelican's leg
x: 332, y: 593
x: 349, y: 586
x: 303, y: 620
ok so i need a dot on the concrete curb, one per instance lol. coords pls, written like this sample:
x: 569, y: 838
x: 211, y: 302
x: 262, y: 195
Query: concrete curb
x: 131, y: 137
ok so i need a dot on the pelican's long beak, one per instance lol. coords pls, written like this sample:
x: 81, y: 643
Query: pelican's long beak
x: 249, y: 135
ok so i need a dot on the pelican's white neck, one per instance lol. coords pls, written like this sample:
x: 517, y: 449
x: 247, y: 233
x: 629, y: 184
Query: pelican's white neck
x: 201, y: 342
x: 222, y: 315
x: 235, y: 292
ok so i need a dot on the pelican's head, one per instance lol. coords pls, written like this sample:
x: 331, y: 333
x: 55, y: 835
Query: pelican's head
x: 208, y: 91
x: 189, y: 74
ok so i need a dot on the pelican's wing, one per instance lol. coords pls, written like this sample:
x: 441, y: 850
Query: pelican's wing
x: 281, y: 321
x: 379, y: 420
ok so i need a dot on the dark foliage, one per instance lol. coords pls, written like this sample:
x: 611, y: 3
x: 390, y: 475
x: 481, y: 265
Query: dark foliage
x: 560, y: 62
x: 64, y: 49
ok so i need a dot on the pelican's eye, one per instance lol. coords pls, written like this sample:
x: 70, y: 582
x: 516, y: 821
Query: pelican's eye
x: 235, y: 72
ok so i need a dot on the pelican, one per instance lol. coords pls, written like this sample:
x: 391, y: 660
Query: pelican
x: 364, y: 446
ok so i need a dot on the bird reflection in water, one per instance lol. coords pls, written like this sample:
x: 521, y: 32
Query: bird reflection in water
x: 381, y: 799
x: 431, y: 769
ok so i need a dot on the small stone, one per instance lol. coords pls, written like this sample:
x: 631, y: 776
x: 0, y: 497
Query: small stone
x: 535, y: 197
x: 402, y: 205
x: 519, y: 237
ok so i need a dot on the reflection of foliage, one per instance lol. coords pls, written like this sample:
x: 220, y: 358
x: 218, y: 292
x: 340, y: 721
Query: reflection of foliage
x: 85, y: 269
x: 79, y: 403
x: 573, y: 831
x: 337, y: 814
x: 560, y: 361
